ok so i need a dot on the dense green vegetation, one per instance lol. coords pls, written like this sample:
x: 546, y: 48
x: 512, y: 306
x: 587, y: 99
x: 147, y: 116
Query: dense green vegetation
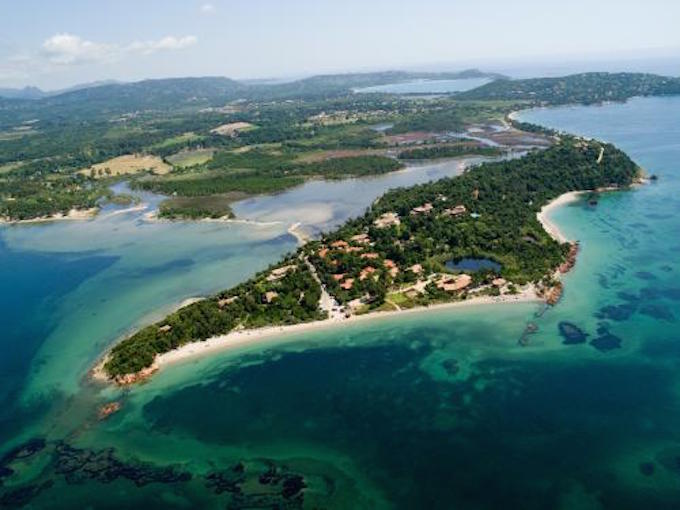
x: 32, y: 198
x: 359, y: 166
x: 498, y: 222
x: 584, y: 88
x: 196, y: 208
x: 506, y: 197
x: 220, y: 183
x: 266, y: 299
x: 256, y: 172
x: 448, y: 151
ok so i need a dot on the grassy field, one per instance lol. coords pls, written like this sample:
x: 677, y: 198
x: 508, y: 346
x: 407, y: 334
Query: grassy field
x: 317, y: 156
x: 185, y: 159
x: 8, y: 167
x: 175, y: 140
x: 128, y: 164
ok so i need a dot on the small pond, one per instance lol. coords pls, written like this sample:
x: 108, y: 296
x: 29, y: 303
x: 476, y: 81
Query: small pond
x: 472, y: 265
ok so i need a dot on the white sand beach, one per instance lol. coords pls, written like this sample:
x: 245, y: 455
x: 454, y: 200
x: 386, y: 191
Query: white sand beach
x: 245, y: 337
x: 544, y: 216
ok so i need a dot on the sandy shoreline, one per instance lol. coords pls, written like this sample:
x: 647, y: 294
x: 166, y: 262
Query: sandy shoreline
x: 544, y: 215
x: 247, y: 337
x: 98, y: 374
x: 241, y: 338
x: 152, y: 216
x: 296, y: 231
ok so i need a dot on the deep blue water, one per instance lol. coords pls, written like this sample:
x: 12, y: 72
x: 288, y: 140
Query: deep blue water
x: 32, y: 284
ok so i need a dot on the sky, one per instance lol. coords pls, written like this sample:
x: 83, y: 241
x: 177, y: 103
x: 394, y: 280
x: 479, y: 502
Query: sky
x: 56, y: 44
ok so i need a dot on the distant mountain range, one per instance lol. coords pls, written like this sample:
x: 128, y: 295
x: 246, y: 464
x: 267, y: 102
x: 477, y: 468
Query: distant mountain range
x: 104, y: 100
x: 37, y: 93
x: 209, y: 86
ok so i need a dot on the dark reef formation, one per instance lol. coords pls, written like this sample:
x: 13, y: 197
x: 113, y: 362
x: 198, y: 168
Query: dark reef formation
x: 571, y: 333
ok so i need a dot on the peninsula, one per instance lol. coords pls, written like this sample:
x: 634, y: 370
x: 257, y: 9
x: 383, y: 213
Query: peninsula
x: 405, y: 252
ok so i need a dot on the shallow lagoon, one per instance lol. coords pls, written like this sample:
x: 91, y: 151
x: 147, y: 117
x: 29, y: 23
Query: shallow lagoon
x: 438, y: 410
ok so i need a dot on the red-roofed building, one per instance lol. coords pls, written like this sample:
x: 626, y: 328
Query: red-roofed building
x: 340, y: 244
x: 347, y: 284
x: 366, y: 272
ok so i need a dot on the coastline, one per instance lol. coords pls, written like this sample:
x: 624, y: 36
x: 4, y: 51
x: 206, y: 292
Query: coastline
x: 246, y: 337
x: 153, y: 217
x: 299, y: 234
x: 97, y: 372
x: 73, y: 214
x: 544, y: 215
x: 243, y: 338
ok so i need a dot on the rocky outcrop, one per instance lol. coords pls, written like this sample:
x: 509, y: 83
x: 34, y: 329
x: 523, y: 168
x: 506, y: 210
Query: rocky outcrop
x: 142, y: 375
x: 108, y: 409
x: 552, y: 294
x: 569, y: 263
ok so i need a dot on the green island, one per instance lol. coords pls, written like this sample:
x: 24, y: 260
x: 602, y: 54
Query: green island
x: 395, y: 256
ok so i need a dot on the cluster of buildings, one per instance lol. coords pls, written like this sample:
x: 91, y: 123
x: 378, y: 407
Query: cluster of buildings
x: 359, y: 244
x: 390, y: 219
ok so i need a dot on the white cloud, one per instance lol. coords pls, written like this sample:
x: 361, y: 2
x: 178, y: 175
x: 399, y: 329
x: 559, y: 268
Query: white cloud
x: 71, y: 49
x: 164, y: 44
x: 207, y: 8
x: 68, y: 49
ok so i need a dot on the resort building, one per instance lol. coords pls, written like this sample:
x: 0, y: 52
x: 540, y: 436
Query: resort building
x: 455, y: 211
x: 339, y: 245
x: 347, y: 284
x: 366, y: 272
x: 279, y: 273
x: 450, y: 283
x: 387, y: 220
x: 416, y: 269
x: 392, y: 267
x: 361, y: 239
x: 422, y: 209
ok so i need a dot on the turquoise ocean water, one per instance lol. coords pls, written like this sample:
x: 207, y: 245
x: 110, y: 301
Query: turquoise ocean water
x: 442, y: 409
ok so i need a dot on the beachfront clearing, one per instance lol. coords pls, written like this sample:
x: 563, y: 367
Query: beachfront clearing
x: 128, y: 164
x: 189, y: 136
